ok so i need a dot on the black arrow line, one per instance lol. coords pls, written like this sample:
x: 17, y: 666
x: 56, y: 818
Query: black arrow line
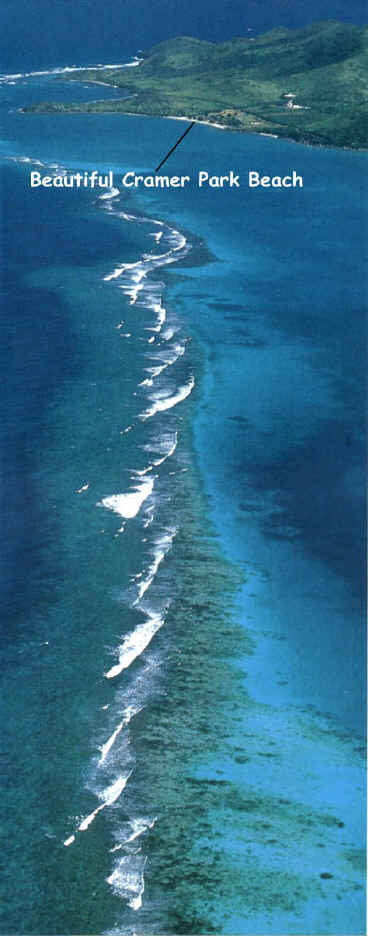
x: 175, y: 145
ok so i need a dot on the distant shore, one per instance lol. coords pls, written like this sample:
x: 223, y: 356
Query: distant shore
x: 265, y: 85
x: 53, y: 108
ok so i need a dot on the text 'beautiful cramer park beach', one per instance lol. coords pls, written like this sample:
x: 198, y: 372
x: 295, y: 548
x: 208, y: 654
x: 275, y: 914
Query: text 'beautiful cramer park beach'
x: 183, y: 422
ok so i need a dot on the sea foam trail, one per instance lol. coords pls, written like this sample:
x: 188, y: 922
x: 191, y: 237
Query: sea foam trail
x: 139, y: 826
x: 161, y: 316
x: 70, y: 68
x: 127, y: 879
x: 135, y: 643
x: 164, y: 403
x: 108, y: 745
x: 177, y: 239
x: 159, y: 461
x: 128, y: 505
x: 122, y: 269
x: 109, y: 796
x: 168, y: 454
x: 135, y: 273
x: 129, y: 713
x: 112, y: 193
x: 163, y: 545
x: 178, y: 351
x: 30, y: 159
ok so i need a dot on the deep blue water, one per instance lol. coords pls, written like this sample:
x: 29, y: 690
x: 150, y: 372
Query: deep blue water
x: 40, y: 33
x: 236, y: 726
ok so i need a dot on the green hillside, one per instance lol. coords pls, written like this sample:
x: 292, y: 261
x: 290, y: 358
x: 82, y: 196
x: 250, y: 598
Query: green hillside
x: 310, y: 85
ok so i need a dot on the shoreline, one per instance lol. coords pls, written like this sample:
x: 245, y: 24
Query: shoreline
x: 274, y: 136
x: 186, y: 119
x: 263, y: 84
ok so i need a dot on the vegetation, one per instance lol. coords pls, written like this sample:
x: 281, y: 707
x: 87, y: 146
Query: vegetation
x: 310, y: 85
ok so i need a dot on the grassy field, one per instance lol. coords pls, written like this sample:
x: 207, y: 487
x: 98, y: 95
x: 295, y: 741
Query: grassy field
x: 310, y: 85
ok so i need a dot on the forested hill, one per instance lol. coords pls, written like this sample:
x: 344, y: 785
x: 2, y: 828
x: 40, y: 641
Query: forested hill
x: 309, y: 85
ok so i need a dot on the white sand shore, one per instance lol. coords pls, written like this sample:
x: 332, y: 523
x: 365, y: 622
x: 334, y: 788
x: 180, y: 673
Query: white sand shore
x: 207, y: 123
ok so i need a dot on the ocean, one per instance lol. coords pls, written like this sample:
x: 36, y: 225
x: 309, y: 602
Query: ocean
x: 183, y: 421
x: 42, y: 34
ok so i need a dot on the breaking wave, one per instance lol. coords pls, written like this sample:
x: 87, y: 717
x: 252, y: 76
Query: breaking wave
x: 67, y: 69
x: 132, y: 673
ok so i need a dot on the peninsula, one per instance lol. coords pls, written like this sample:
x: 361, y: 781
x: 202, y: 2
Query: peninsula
x: 309, y: 85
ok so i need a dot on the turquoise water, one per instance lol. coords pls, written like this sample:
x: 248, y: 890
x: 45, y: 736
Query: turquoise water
x: 182, y: 498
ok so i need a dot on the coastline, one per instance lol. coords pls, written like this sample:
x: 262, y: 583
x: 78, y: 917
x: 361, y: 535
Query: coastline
x: 267, y: 87
x: 274, y: 136
x: 207, y: 123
